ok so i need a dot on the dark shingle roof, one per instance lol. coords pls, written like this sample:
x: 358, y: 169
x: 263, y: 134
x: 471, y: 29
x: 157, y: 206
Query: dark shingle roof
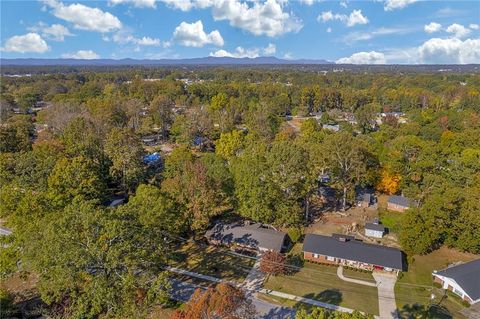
x: 400, y: 200
x: 467, y: 275
x: 373, y: 226
x: 354, y: 250
x: 254, y: 236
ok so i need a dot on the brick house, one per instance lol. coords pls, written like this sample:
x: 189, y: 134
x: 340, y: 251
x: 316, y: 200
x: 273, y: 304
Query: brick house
x: 399, y: 203
x: 347, y: 251
x: 463, y: 280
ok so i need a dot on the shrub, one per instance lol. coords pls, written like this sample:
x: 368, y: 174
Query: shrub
x: 295, y: 234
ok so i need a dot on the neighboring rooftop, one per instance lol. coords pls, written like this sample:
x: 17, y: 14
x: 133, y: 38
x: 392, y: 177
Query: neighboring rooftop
x: 256, y: 235
x: 467, y: 275
x: 375, y: 226
x: 401, y: 201
x: 345, y: 247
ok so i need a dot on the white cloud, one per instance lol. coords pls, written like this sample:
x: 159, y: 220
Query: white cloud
x: 329, y: 30
x: 125, y: 37
x: 135, y: 3
x: 84, y: 17
x: 355, y: 17
x: 288, y: 56
x: 474, y: 26
x: 368, y: 35
x: 458, y: 30
x: 28, y: 43
x: 432, y: 27
x: 270, y: 49
x: 267, y: 18
x: 344, y: 4
x: 449, y: 51
x: 262, y: 17
x: 390, y: 5
x: 307, y: 2
x: 241, y: 52
x: 371, y: 57
x: 81, y: 54
x: 193, y: 35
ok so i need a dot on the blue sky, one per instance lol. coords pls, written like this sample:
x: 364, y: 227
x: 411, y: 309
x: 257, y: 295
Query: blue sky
x: 362, y: 31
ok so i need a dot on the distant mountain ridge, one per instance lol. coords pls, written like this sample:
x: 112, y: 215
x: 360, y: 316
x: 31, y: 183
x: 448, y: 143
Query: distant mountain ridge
x: 191, y: 61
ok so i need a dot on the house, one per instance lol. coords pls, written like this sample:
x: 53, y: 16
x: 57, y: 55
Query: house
x: 331, y: 127
x: 399, y: 203
x: 347, y: 251
x: 463, y: 280
x: 374, y: 229
x: 256, y: 237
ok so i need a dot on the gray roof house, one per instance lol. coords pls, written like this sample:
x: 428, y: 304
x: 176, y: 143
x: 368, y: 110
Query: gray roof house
x: 400, y: 203
x: 462, y: 279
x: 374, y: 229
x: 253, y: 236
x: 345, y: 250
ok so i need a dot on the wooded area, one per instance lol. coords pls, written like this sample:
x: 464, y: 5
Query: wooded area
x: 72, y: 142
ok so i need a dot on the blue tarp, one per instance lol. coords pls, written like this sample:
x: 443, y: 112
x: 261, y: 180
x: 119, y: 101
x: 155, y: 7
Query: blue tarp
x: 151, y: 158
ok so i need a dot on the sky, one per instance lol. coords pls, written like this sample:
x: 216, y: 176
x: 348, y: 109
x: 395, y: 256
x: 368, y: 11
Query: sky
x: 348, y: 31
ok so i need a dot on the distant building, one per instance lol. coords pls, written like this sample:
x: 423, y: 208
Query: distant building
x: 345, y: 250
x: 331, y: 127
x: 374, y: 229
x: 400, y: 203
x: 463, y: 280
x: 255, y: 237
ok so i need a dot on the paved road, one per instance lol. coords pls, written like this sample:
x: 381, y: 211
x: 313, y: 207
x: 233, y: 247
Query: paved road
x: 182, y: 291
x: 386, y: 294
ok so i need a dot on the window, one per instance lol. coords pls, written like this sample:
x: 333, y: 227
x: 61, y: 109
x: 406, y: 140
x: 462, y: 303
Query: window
x: 330, y: 258
x: 315, y: 256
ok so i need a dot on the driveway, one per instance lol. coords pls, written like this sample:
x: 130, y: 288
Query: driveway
x: 386, y: 294
x: 255, y: 278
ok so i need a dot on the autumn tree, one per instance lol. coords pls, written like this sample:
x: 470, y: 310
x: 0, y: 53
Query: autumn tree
x: 272, y: 263
x: 221, y: 301
x: 389, y: 182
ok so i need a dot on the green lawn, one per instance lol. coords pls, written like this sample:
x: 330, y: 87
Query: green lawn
x: 320, y: 282
x: 358, y: 274
x: 411, y: 298
x: 211, y: 260
x: 390, y: 219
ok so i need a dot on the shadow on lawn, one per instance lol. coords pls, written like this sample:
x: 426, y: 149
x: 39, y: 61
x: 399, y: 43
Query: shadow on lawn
x: 331, y: 296
x: 421, y: 311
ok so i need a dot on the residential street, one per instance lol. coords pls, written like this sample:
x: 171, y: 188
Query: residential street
x: 182, y: 291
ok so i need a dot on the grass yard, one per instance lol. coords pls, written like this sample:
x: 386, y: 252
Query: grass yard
x: 320, y: 282
x: 390, y: 219
x: 358, y: 274
x: 413, y: 299
x: 211, y: 260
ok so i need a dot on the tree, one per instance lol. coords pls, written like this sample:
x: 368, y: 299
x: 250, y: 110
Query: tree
x: 77, y: 176
x: 389, y: 182
x: 365, y: 116
x: 221, y: 301
x: 272, y: 263
x: 230, y: 144
x: 96, y: 262
x: 202, y: 185
x: 162, y: 107
x: 16, y: 134
x: 271, y: 183
x: 346, y: 158
x: 126, y: 153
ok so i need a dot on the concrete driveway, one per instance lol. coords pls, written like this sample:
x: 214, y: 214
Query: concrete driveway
x: 386, y: 294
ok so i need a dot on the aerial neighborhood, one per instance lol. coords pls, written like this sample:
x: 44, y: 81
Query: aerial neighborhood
x: 240, y: 159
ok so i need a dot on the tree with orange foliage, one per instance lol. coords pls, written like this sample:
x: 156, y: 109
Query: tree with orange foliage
x: 272, y: 263
x: 223, y: 301
x: 389, y: 182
